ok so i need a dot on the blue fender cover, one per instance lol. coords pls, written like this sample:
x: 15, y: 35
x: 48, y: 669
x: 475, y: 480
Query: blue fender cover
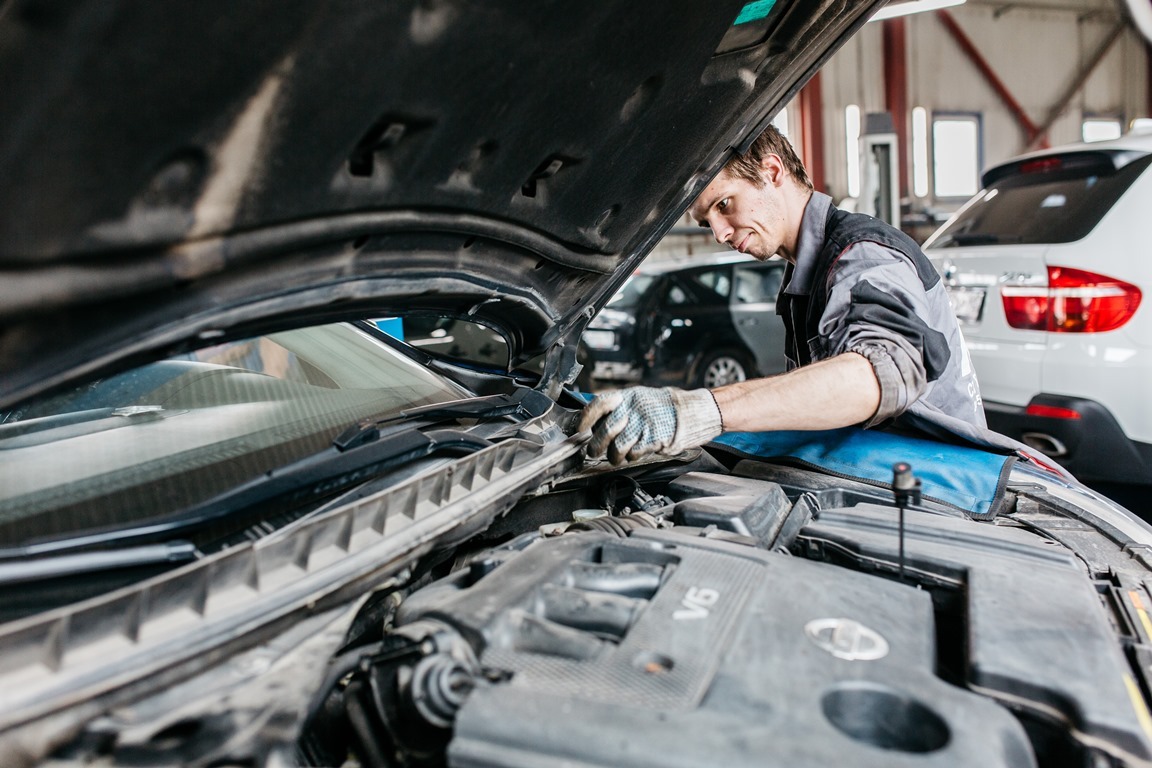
x: 960, y: 476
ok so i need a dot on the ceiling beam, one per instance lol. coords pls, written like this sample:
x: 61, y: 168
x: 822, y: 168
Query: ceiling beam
x: 1031, y: 131
x: 1078, y: 82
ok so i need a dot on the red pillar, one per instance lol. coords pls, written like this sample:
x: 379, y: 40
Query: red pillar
x: 812, y: 132
x: 896, y: 91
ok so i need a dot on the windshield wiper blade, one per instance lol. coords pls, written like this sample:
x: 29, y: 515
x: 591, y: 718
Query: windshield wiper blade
x: 310, y: 480
x: 524, y: 403
x: 358, y: 454
x: 31, y: 568
x: 521, y: 404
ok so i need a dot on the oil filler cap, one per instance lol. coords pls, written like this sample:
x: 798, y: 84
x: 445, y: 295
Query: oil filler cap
x: 847, y: 639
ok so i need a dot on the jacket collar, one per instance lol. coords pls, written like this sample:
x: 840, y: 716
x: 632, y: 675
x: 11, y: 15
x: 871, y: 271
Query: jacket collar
x: 812, y: 227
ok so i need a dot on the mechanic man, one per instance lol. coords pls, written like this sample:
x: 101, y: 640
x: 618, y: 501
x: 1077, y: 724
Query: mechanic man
x: 870, y: 337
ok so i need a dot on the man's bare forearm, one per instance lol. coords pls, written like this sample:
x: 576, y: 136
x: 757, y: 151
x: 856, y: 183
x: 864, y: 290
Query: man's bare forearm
x: 833, y: 393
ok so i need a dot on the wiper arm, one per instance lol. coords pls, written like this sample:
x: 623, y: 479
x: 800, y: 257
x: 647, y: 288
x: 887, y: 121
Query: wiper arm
x: 77, y: 563
x: 524, y: 403
x: 306, y: 481
x: 521, y: 404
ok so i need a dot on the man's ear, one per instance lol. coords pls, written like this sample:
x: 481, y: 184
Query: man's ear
x: 772, y: 169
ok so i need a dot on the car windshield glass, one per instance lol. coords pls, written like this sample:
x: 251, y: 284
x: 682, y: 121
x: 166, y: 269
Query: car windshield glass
x: 629, y: 294
x: 1057, y: 206
x: 164, y: 436
x: 757, y: 285
x: 711, y: 285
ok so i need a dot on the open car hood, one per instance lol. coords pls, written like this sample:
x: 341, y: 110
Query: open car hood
x: 221, y: 168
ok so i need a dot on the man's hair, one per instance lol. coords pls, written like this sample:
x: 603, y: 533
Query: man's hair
x: 770, y: 142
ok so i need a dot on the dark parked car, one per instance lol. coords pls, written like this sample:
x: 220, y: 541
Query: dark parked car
x: 702, y: 324
x: 241, y: 526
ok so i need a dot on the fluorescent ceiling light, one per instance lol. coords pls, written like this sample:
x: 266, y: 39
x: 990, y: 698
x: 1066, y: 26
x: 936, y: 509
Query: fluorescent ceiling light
x: 892, y: 10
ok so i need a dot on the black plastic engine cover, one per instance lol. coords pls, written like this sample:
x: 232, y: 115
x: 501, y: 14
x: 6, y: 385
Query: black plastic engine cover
x: 1037, y: 637
x: 664, y: 649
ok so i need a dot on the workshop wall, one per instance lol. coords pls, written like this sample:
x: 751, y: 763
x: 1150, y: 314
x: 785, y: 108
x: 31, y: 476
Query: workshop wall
x: 1038, y: 50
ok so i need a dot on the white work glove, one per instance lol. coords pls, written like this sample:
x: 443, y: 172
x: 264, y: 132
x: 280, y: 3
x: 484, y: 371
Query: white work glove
x: 634, y: 422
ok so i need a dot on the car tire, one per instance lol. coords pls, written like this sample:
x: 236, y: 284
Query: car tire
x: 719, y: 367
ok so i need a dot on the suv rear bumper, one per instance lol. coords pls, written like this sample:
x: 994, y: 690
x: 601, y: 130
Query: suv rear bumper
x: 1091, y: 447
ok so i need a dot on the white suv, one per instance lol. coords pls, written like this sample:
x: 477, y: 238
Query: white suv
x: 1046, y: 267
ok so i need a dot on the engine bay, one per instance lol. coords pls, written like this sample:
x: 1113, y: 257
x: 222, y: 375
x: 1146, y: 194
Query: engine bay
x: 742, y: 614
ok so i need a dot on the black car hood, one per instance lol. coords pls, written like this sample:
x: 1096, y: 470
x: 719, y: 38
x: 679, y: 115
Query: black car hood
x: 179, y: 172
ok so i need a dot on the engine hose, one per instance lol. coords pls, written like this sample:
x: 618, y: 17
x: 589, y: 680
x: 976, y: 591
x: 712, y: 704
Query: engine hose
x: 620, y: 526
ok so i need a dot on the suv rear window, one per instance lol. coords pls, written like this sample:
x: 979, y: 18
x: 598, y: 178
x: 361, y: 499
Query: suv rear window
x: 1054, y: 199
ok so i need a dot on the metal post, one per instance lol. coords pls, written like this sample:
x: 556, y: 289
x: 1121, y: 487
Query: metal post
x: 812, y: 132
x: 896, y: 91
x: 906, y: 489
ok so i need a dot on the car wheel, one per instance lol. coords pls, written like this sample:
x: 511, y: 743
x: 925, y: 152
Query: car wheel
x: 721, y: 367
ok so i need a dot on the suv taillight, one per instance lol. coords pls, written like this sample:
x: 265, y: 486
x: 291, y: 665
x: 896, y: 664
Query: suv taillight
x: 1075, y: 301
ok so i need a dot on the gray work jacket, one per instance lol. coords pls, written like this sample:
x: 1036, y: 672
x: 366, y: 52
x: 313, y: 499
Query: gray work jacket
x: 860, y: 285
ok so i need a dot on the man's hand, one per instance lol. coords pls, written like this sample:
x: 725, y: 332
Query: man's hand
x: 638, y: 421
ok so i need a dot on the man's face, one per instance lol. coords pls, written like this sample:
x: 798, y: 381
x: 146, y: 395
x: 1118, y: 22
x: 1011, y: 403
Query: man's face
x: 743, y: 216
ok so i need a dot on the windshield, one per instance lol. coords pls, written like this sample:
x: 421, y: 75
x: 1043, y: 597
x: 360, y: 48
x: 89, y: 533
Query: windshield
x: 159, y: 438
x: 629, y: 294
x: 1045, y: 201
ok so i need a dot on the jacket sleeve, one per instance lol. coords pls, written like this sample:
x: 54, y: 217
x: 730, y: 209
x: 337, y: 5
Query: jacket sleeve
x: 878, y: 307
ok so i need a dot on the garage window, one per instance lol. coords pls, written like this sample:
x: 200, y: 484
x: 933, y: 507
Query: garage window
x: 956, y: 154
x: 1101, y: 128
x: 852, y: 148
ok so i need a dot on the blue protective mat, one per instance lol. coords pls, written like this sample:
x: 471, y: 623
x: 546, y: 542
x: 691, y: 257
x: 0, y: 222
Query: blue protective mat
x: 964, y: 477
